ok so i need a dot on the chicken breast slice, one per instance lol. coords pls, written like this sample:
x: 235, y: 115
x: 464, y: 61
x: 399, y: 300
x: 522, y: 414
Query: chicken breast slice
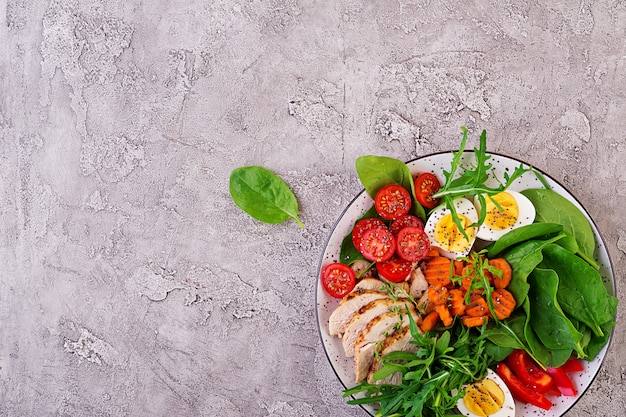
x: 384, y: 325
x: 366, y: 314
x: 375, y: 284
x: 398, y: 342
x: 350, y: 304
x: 363, y: 359
x: 375, y: 333
x: 418, y: 285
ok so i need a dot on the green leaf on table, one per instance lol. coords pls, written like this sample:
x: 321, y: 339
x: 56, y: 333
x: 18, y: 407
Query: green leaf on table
x: 263, y: 195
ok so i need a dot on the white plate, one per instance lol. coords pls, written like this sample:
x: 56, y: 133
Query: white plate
x: 436, y: 163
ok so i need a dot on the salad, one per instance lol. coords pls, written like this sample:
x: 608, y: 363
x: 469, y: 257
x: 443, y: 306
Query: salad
x: 456, y: 293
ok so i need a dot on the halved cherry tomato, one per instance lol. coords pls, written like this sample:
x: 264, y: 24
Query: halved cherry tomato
x: 338, y: 279
x: 427, y: 184
x: 413, y: 243
x: 362, y: 225
x: 377, y: 244
x: 562, y: 381
x: 395, y: 269
x: 392, y: 202
x: 404, y: 221
x: 528, y: 371
x: 520, y: 391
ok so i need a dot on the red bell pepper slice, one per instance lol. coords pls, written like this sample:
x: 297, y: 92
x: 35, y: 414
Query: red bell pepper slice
x: 562, y: 381
x: 525, y: 368
x: 572, y: 365
x: 520, y: 391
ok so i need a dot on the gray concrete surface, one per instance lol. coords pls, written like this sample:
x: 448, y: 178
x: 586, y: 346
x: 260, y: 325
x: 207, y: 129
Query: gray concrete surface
x: 130, y: 283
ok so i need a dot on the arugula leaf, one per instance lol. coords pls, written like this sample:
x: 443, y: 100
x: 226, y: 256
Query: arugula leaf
x: 263, y: 195
x: 431, y: 377
x: 471, y: 181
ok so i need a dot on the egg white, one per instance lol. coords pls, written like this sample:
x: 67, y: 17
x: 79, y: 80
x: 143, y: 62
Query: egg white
x: 508, y: 407
x: 526, y: 215
x: 463, y: 207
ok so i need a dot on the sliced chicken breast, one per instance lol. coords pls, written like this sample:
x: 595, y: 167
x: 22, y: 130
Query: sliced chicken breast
x: 400, y: 341
x: 419, y: 285
x: 372, y: 284
x: 366, y: 314
x: 350, y: 304
x: 375, y: 284
x: 363, y: 359
x: 379, y: 328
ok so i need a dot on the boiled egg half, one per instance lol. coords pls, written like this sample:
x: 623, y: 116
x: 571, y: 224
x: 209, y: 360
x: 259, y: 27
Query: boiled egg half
x: 504, y: 212
x: 489, y: 397
x: 444, y: 233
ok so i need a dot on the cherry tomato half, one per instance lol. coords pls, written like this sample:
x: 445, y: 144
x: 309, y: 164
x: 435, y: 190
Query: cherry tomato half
x: 412, y: 244
x: 404, y: 221
x: 392, y: 202
x: 362, y: 225
x: 377, y: 245
x: 427, y: 184
x: 338, y: 279
x: 395, y: 269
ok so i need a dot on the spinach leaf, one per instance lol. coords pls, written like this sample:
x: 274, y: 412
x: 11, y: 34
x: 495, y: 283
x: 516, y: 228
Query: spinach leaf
x: 263, y: 195
x: 523, y: 259
x: 552, y: 207
x: 508, y: 333
x: 348, y: 253
x: 548, y: 357
x: 496, y: 352
x: 581, y: 292
x: 521, y: 234
x: 377, y: 171
x: 596, y: 343
x: 547, y: 318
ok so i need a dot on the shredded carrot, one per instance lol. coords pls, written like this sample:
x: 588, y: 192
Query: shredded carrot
x: 430, y: 321
x: 507, y: 273
x: 433, y: 252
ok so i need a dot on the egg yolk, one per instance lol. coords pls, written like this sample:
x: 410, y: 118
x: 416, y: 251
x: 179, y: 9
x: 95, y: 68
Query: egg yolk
x: 503, y: 217
x: 448, y: 235
x: 484, y: 398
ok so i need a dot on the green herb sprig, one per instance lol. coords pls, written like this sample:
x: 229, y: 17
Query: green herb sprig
x: 471, y: 181
x: 431, y: 377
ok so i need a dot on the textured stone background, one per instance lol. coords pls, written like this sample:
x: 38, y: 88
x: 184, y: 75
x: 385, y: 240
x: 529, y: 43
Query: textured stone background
x: 130, y: 283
